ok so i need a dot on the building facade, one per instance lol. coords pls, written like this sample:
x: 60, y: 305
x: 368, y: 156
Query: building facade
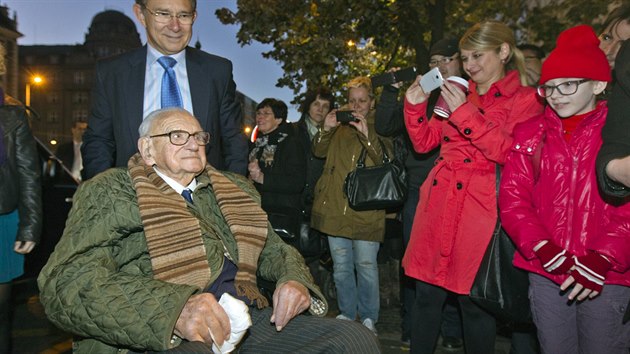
x: 8, y: 39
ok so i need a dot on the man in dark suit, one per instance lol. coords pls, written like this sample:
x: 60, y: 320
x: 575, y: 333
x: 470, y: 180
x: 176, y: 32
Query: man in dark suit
x: 128, y: 88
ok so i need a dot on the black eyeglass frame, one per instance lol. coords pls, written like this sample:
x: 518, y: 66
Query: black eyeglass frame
x: 204, y: 135
x: 160, y: 16
x: 443, y: 61
x: 542, y: 89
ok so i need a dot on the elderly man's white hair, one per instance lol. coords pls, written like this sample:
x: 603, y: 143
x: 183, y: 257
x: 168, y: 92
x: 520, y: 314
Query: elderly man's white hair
x: 158, y: 115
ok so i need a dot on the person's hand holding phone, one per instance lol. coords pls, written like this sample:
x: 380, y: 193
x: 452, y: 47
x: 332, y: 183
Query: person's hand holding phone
x: 331, y: 120
x: 415, y: 94
x: 360, y: 123
x: 398, y: 84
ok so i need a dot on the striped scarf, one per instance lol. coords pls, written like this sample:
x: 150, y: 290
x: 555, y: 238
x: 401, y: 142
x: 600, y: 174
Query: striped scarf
x: 173, y: 234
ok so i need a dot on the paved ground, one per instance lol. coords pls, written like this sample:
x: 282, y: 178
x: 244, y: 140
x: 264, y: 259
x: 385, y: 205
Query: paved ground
x: 32, y: 333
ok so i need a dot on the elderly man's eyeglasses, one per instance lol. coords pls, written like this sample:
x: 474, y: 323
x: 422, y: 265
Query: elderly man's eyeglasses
x: 184, y: 18
x: 180, y: 137
x: 565, y: 89
x: 443, y: 61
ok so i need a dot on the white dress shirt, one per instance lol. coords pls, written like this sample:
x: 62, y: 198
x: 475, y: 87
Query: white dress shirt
x: 153, y: 81
x: 175, y: 185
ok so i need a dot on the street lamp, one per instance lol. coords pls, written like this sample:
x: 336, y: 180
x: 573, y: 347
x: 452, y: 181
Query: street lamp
x: 35, y: 80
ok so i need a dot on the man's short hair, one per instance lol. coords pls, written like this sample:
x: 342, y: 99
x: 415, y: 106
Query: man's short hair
x: 540, y: 54
x: 159, y: 114
x: 278, y: 107
x: 143, y: 3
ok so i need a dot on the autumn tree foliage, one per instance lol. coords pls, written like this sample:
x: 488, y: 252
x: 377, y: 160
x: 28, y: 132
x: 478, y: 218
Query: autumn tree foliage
x: 326, y: 42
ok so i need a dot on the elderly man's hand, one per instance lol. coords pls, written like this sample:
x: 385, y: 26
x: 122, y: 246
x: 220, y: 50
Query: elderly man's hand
x: 202, y: 319
x: 289, y: 300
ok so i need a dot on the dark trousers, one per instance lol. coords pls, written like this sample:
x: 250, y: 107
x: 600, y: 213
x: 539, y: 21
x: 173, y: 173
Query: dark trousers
x: 5, y: 317
x: 303, y: 334
x: 452, y: 322
x: 479, y: 326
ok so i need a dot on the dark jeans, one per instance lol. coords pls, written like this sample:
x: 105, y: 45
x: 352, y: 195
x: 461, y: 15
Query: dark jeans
x: 479, y: 327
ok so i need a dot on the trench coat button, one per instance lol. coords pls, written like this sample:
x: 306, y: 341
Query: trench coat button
x: 467, y: 161
x: 435, y: 182
x: 467, y: 131
x: 446, y: 138
x: 420, y: 120
x: 529, y: 149
x: 497, y: 94
x: 460, y: 185
x: 517, y: 147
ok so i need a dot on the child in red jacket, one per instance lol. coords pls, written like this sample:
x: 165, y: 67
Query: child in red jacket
x: 574, y: 244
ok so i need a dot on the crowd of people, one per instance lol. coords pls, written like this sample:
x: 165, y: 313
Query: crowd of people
x: 178, y: 226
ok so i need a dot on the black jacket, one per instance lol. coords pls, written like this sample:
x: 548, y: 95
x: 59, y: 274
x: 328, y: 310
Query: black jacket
x: 284, y: 179
x: 390, y: 122
x: 314, y: 167
x: 616, y: 131
x: 20, y: 176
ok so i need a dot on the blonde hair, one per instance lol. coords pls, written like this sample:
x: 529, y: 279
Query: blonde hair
x: 490, y: 35
x: 361, y: 82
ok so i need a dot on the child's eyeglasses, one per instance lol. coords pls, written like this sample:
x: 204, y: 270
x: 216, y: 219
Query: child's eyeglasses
x: 565, y: 88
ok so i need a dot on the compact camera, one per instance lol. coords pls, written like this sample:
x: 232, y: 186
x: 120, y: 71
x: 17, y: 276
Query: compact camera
x: 389, y: 78
x: 345, y: 117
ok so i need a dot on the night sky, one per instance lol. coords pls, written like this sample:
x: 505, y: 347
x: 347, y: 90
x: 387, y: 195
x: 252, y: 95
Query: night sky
x: 67, y: 22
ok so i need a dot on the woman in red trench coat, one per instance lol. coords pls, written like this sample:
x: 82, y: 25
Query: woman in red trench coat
x: 458, y: 209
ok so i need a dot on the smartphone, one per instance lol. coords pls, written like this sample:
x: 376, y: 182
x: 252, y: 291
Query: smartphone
x: 389, y: 78
x: 431, y: 80
x: 406, y: 74
x: 345, y: 117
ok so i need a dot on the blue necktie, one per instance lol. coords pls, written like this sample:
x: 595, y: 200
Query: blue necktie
x: 187, y: 194
x: 171, y: 97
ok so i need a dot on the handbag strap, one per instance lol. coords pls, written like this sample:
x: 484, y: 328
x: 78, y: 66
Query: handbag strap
x: 497, y: 227
x: 361, y: 160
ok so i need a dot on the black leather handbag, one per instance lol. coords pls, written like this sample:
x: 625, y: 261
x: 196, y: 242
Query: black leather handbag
x: 499, y: 287
x: 376, y: 187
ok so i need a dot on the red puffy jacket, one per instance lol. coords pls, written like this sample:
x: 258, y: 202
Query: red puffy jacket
x: 549, y: 192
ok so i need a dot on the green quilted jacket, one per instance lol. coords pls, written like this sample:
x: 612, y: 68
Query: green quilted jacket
x: 98, y: 282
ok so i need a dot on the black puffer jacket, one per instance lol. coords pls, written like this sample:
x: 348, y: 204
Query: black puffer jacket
x: 20, y: 186
x: 616, y: 131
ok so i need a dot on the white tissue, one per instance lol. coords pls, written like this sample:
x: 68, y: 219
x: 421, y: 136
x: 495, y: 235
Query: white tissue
x: 240, y: 321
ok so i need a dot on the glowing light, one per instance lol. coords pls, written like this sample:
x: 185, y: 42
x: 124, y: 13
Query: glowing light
x: 252, y: 137
x: 53, y: 142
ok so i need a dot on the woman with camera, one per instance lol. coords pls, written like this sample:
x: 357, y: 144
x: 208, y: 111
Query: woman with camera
x: 353, y: 236
x: 457, y: 212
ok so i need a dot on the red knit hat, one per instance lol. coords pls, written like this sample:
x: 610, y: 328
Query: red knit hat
x: 577, y: 55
